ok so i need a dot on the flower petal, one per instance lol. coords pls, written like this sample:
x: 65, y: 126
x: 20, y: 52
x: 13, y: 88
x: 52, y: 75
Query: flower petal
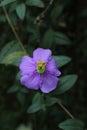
x: 52, y: 68
x: 41, y: 54
x: 31, y: 81
x: 49, y: 83
x: 27, y: 65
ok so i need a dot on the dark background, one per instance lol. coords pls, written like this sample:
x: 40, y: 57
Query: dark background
x: 72, y: 21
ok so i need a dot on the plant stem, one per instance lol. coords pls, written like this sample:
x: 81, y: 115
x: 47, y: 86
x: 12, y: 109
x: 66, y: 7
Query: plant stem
x: 63, y: 107
x: 13, y: 29
x: 42, y: 15
x: 50, y: 3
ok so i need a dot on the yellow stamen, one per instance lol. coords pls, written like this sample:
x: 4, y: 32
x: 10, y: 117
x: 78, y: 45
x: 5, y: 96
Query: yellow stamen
x: 41, y: 65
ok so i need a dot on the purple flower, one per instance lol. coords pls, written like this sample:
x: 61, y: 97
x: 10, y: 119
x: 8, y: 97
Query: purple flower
x: 39, y: 72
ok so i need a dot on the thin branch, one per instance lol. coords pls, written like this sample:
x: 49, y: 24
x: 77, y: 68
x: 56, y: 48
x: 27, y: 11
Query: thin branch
x: 42, y: 15
x: 13, y: 29
x: 50, y: 3
x: 63, y: 107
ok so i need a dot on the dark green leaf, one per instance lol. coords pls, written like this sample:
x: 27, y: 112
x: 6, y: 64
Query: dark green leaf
x: 13, y: 89
x: 21, y: 97
x: 61, y: 39
x: 65, y: 83
x: 72, y: 124
x: 5, y: 2
x: 55, y: 37
x: 37, y: 104
x: 48, y: 38
x: 62, y: 60
x: 56, y: 12
x: 20, y: 10
x: 8, y: 49
x: 51, y: 101
x: 24, y: 90
x: 18, y: 76
x: 37, y: 3
x: 13, y: 58
x: 11, y: 54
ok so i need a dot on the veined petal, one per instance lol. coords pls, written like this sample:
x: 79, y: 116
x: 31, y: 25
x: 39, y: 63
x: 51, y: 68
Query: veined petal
x: 27, y: 65
x: 49, y: 83
x: 31, y: 81
x: 41, y: 54
x: 52, y: 68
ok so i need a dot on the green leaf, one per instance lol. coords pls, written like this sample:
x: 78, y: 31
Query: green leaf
x: 18, y: 76
x: 11, y: 54
x: 37, y: 3
x: 37, y: 104
x: 24, y: 90
x: 51, y: 100
x: 61, y: 39
x: 8, y: 49
x: 65, y: 83
x: 52, y: 36
x: 72, y: 124
x: 48, y: 38
x: 13, y: 58
x: 20, y: 10
x: 62, y: 60
x: 21, y: 97
x: 5, y: 2
x: 13, y: 89
x: 56, y: 13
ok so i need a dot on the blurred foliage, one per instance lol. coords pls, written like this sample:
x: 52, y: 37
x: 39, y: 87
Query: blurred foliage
x: 62, y: 27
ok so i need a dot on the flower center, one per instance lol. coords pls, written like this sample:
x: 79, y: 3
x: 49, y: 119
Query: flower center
x: 41, y: 65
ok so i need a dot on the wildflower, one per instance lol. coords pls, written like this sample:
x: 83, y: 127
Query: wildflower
x: 39, y: 72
